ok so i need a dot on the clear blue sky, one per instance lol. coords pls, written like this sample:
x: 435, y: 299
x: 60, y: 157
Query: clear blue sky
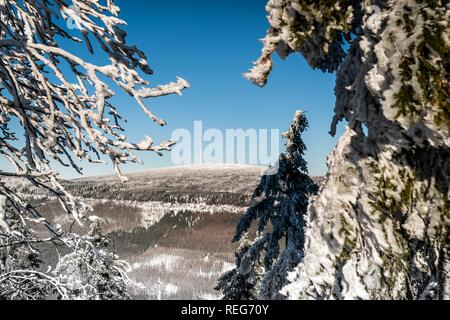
x: 211, y: 43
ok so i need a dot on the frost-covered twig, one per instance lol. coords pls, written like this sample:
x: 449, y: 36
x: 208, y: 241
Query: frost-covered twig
x: 62, y: 101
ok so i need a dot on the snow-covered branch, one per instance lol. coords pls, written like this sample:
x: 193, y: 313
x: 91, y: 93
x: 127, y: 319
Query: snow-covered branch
x: 62, y: 99
x: 315, y: 29
x: 379, y: 229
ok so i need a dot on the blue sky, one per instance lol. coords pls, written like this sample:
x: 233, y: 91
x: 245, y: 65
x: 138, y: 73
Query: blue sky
x: 211, y: 43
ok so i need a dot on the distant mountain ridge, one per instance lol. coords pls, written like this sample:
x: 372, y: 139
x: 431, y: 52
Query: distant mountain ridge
x: 213, y: 184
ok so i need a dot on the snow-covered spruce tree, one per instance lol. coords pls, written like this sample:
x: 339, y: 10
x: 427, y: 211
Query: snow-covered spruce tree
x: 379, y: 229
x: 243, y: 282
x: 62, y: 102
x: 88, y: 275
x: 279, y: 204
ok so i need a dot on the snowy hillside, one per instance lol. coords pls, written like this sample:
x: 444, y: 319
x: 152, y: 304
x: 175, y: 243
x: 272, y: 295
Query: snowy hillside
x: 230, y: 184
x: 173, y: 225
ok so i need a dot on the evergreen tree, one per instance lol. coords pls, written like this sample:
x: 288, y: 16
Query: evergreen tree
x: 242, y: 282
x: 380, y: 227
x: 279, y: 204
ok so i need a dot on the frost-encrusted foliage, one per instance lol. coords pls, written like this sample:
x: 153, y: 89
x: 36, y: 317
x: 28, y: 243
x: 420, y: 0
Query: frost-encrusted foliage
x: 88, y: 272
x: 379, y: 229
x: 279, y: 204
x: 92, y: 272
x: 62, y: 102
x: 316, y: 29
x: 242, y: 282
